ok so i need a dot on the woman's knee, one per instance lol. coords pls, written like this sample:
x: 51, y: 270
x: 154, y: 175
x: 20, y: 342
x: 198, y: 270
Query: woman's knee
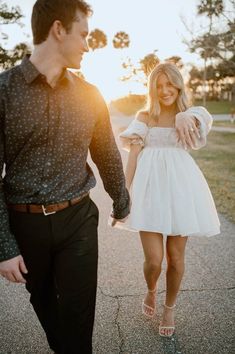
x: 154, y: 265
x: 176, y: 262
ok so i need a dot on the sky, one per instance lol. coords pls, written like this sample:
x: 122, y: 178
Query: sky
x: 151, y: 25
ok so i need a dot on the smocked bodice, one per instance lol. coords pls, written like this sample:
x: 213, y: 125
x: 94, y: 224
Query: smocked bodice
x: 161, y: 137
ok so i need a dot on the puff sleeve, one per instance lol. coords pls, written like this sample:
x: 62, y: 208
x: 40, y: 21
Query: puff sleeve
x: 205, y: 120
x: 134, y: 134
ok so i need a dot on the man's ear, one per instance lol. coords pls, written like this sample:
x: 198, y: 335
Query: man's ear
x: 57, y: 30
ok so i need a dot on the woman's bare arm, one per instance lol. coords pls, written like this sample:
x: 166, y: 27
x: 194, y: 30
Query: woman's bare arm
x: 131, y: 163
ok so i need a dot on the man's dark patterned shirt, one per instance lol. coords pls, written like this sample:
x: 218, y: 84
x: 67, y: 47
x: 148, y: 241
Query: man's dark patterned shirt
x: 46, y: 134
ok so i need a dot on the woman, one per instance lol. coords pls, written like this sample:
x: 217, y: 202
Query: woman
x: 170, y: 195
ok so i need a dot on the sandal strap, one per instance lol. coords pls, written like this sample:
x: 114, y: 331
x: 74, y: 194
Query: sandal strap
x: 148, y: 307
x: 170, y: 307
x: 166, y: 327
x: 152, y: 291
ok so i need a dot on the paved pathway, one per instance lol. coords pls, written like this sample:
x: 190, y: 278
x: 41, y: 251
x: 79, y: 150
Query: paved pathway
x: 224, y: 129
x: 221, y: 116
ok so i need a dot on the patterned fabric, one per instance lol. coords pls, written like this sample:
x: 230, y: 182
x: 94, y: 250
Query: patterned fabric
x: 44, y: 141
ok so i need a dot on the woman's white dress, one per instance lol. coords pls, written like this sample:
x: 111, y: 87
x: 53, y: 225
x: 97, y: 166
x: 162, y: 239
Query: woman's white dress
x: 169, y: 192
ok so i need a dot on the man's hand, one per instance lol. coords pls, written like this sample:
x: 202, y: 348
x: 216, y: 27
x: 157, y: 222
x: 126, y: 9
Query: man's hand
x: 114, y: 221
x: 13, y: 268
x: 187, y: 129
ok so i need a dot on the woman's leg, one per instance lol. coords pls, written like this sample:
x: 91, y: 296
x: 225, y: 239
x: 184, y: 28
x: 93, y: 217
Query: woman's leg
x: 153, y: 251
x: 175, y: 251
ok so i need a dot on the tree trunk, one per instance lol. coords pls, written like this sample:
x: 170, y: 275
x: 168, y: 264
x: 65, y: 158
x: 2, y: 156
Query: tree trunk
x: 204, y: 83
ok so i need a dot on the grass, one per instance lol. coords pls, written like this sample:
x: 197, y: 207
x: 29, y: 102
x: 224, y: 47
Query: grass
x: 217, y: 107
x: 217, y: 162
x: 130, y: 104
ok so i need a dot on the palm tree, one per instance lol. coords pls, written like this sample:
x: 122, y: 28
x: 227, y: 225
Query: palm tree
x: 121, y: 40
x: 97, y: 39
x: 210, y: 8
x: 175, y: 60
x: 148, y: 63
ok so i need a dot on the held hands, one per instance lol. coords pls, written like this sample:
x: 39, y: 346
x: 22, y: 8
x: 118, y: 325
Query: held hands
x: 187, y: 129
x: 114, y: 221
x: 13, y: 268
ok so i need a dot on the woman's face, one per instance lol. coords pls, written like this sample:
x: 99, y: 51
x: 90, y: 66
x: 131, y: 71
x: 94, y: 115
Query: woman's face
x: 167, y: 93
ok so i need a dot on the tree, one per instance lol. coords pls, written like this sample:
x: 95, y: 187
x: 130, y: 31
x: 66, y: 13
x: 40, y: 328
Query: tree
x: 216, y: 45
x: 97, y: 39
x: 8, y: 16
x: 140, y: 72
x: 148, y: 63
x: 219, y: 82
x: 175, y: 60
x: 226, y: 69
x: 210, y: 8
x: 121, y: 40
x: 9, y: 58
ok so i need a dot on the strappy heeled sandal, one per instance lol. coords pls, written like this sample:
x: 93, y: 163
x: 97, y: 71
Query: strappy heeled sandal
x: 151, y: 311
x: 163, y: 328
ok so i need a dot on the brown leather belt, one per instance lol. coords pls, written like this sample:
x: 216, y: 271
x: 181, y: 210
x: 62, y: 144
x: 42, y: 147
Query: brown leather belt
x: 46, y: 209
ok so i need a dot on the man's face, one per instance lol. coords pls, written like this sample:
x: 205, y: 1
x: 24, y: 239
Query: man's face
x: 74, y: 44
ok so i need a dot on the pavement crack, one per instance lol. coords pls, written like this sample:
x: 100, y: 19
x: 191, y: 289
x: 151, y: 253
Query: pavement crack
x: 163, y: 291
x: 120, y: 334
x: 210, y: 289
x: 124, y: 295
x: 169, y: 347
x: 116, y: 322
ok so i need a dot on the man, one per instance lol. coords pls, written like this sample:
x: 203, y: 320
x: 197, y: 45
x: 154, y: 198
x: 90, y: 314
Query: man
x: 49, y: 120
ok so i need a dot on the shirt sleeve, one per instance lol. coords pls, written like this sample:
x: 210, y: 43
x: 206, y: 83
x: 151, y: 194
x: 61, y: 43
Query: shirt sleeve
x: 106, y: 156
x: 205, y: 119
x: 8, y: 244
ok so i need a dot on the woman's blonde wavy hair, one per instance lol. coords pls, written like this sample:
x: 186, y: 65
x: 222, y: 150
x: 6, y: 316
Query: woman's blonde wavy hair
x: 153, y: 107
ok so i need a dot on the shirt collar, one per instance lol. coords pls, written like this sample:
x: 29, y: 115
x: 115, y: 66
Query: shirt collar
x: 30, y: 72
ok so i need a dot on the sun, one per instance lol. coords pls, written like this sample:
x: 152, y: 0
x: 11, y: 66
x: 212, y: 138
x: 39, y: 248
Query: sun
x: 103, y: 68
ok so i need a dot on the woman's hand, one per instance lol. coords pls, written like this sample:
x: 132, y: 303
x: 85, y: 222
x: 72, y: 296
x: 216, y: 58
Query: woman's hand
x: 187, y: 129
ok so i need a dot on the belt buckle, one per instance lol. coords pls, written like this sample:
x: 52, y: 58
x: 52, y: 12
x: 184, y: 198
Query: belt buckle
x: 45, y: 211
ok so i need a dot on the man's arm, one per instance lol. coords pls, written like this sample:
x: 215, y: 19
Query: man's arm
x: 11, y: 262
x: 105, y: 154
x: 192, y: 126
